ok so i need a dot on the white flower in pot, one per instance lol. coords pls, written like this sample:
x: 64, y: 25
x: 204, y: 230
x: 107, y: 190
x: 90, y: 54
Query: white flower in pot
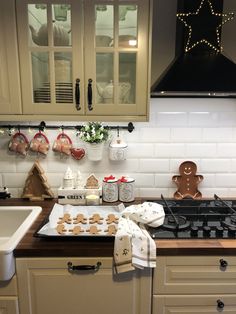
x: 94, y: 134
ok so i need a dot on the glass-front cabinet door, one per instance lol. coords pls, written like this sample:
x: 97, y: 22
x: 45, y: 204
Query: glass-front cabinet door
x: 51, y: 56
x: 84, y: 57
x: 118, y: 48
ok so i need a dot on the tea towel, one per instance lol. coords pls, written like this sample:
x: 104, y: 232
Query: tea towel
x: 134, y: 247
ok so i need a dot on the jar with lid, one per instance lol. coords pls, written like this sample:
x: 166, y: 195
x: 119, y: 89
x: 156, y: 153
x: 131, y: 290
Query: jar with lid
x: 126, y: 189
x: 110, y: 189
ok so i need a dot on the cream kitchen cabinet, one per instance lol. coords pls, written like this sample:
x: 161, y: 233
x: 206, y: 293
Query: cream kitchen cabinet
x: 8, y: 297
x: 10, y: 100
x: 86, y: 60
x: 194, y: 284
x: 47, y: 286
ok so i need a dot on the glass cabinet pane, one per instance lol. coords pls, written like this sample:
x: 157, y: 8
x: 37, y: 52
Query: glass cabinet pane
x: 38, y: 28
x: 104, y: 25
x: 104, y: 78
x: 63, y: 77
x: 40, y: 77
x: 128, y: 26
x: 127, y: 78
x: 61, y: 24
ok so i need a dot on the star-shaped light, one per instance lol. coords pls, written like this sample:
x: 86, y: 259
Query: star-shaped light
x: 217, y: 21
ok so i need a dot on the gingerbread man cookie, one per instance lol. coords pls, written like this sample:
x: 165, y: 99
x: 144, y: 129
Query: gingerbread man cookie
x: 80, y: 219
x: 66, y: 218
x: 111, y: 230
x: 61, y: 229
x: 93, y: 230
x: 188, y: 181
x: 96, y: 218
x: 76, y: 230
x: 111, y: 218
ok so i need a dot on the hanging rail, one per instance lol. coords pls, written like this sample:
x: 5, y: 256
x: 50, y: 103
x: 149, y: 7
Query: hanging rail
x: 42, y: 126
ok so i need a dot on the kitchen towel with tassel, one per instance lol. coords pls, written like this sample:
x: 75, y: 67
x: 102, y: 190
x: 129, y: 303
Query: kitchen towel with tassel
x: 134, y: 247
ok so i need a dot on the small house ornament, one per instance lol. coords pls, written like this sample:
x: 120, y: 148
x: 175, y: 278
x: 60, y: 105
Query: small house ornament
x: 68, y: 180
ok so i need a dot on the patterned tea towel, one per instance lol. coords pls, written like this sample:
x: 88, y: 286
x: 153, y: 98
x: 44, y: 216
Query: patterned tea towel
x: 133, y: 246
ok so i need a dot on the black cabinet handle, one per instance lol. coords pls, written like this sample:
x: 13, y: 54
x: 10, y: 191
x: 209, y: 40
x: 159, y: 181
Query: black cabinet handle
x: 77, y: 94
x: 223, y: 263
x: 90, y: 95
x: 220, y: 304
x: 71, y: 267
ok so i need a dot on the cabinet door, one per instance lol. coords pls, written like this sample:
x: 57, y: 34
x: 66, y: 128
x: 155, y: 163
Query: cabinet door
x: 199, y: 304
x: 10, y: 101
x: 9, y: 305
x: 51, y: 56
x: 116, y: 57
x: 46, y: 286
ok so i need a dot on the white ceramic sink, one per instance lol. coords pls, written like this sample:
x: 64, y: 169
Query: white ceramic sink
x: 14, y: 222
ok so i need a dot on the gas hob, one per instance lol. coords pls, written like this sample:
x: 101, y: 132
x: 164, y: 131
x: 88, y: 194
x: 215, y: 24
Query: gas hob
x: 197, y: 219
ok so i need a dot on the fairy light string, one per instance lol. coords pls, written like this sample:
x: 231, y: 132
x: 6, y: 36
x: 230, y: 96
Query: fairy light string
x: 223, y: 17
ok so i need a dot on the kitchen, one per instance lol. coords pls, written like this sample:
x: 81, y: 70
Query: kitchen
x: 198, y: 129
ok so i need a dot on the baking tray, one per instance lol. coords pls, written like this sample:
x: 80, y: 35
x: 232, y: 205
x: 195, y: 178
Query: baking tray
x: 48, y: 229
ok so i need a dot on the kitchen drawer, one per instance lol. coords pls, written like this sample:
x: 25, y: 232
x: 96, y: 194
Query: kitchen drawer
x: 194, y: 275
x: 197, y: 304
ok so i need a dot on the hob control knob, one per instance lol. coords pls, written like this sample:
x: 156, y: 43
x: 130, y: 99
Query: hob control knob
x: 206, y: 231
x: 232, y: 232
x: 194, y: 231
x: 220, y: 304
x: 219, y: 231
x: 223, y: 263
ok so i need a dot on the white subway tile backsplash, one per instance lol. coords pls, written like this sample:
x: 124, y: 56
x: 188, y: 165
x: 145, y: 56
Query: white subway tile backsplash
x: 202, y: 150
x: 170, y: 150
x: 203, y: 119
x: 14, y: 180
x: 154, y: 165
x: 216, y: 165
x: 165, y: 119
x: 225, y: 180
x: 195, y: 129
x: 143, y: 180
x: 140, y: 150
x: 186, y: 135
x: 226, y: 150
x: 217, y: 135
x: 163, y: 181
x: 153, y: 135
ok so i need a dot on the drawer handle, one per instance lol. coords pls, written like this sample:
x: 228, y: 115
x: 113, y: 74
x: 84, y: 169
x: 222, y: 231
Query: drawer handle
x: 223, y: 263
x: 71, y: 267
x: 220, y: 304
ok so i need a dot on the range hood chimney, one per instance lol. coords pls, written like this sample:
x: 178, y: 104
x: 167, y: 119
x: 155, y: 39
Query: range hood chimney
x: 200, y: 66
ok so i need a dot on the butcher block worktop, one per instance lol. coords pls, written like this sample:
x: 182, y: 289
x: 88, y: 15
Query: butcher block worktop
x: 31, y: 246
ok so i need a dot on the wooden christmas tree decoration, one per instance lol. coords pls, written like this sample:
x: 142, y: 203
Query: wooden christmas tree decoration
x: 36, y: 185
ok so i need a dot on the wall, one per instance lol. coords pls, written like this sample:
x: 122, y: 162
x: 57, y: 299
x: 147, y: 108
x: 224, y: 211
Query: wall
x: 201, y: 130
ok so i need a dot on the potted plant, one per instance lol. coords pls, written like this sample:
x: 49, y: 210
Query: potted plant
x: 94, y: 134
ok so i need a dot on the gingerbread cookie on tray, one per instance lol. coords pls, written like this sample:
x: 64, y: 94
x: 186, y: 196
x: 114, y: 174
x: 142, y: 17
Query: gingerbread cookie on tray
x: 187, y: 182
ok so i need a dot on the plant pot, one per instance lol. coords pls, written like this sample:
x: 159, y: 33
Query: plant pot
x: 94, y: 151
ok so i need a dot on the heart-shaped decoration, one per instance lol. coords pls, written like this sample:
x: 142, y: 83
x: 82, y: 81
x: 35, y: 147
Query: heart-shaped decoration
x: 77, y: 153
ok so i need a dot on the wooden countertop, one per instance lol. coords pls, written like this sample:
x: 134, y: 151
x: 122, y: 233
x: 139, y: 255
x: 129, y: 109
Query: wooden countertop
x: 31, y: 246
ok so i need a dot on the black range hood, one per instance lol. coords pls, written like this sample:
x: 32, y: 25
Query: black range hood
x: 200, y: 71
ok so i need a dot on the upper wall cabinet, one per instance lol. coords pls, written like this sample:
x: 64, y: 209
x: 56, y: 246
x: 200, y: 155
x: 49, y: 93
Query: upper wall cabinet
x: 10, y: 101
x: 84, y: 59
x: 194, y: 48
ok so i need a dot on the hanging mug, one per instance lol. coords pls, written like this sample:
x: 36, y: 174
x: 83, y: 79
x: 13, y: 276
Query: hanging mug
x: 19, y: 144
x: 40, y: 143
x: 62, y: 144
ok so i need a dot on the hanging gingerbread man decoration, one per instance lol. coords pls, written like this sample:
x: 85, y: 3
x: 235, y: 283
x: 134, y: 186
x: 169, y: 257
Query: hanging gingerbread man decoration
x: 187, y: 182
